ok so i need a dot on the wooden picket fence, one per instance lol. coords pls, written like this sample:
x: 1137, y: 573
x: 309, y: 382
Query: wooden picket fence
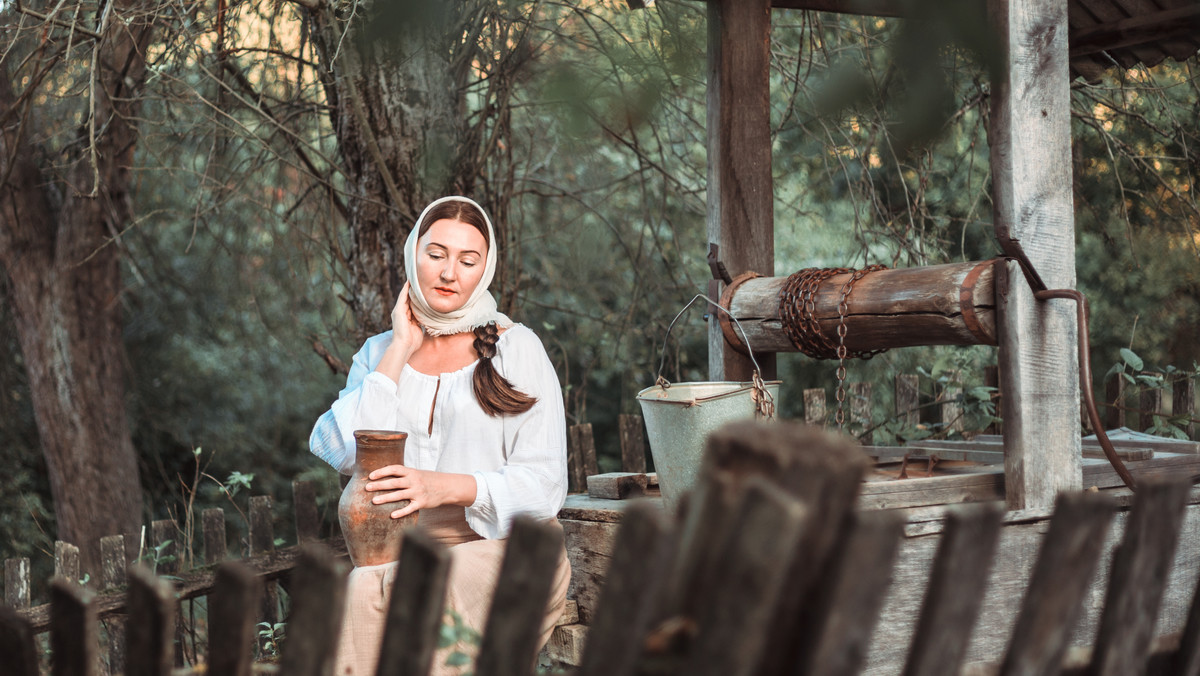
x: 768, y: 569
x: 162, y: 553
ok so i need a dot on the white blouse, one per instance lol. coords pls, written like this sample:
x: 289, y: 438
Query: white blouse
x: 519, y: 461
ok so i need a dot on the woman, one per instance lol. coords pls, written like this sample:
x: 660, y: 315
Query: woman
x: 483, y: 410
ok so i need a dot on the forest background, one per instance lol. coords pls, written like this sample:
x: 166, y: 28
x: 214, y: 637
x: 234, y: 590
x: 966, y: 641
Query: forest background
x: 203, y: 205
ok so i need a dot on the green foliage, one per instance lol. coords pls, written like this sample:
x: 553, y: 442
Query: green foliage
x: 454, y: 632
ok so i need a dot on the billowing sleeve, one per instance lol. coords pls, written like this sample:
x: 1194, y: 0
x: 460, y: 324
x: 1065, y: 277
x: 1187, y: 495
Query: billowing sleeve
x: 368, y: 401
x: 533, y: 480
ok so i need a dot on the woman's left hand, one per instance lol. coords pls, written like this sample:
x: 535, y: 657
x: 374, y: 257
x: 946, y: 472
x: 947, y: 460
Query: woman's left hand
x: 423, y: 489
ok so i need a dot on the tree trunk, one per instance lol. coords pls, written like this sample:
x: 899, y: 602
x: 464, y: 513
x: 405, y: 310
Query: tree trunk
x: 58, y: 248
x: 397, y: 88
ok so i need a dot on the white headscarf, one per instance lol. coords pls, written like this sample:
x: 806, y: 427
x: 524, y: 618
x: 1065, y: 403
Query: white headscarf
x: 480, y: 308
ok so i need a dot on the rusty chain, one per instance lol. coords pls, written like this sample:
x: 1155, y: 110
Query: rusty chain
x: 798, y: 310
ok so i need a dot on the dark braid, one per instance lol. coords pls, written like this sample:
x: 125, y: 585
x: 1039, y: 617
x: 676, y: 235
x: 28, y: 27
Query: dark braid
x: 495, y: 394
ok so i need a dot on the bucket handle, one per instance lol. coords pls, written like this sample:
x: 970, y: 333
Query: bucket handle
x: 764, y: 402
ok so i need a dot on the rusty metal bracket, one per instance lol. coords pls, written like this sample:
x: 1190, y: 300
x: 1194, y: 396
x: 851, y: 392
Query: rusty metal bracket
x: 719, y: 274
x: 1013, y: 250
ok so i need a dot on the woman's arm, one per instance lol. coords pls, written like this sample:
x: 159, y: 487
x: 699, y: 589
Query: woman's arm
x: 368, y: 401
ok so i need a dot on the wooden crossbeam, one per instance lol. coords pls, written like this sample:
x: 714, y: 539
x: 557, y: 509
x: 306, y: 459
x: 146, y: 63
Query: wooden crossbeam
x: 1144, y: 29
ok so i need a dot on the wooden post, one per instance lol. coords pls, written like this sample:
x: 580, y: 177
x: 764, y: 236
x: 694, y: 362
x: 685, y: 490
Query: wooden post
x: 1030, y: 139
x: 1149, y: 406
x: 214, y: 535
x: 304, y: 504
x: 164, y: 537
x: 510, y: 635
x: 908, y: 398
x: 814, y: 406
x: 415, y: 608
x: 16, y: 583
x: 991, y: 378
x: 317, y: 607
x: 1057, y: 586
x: 850, y: 601
x: 113, y: 568
x: 952, y: 410
x: 955, y: 592
x: 1183, y: 403
x: 1139, y: 577
x: 581, y: 456
x: 633, y: 443
x: 858, y: 396
x: 66, y: 561
x: 735, y: 620
x: 639, y: 560
x: 73, y: 634
x: 152, y: 607
x: 233, y: 609
x: 1114, y: 394
x: 262, y: 541
x: 17, y: 644
x: 740, y: 192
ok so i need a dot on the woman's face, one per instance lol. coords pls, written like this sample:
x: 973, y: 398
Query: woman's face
x: 451, y: 257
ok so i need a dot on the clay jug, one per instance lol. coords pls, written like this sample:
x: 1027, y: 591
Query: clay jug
x: 372, y: 535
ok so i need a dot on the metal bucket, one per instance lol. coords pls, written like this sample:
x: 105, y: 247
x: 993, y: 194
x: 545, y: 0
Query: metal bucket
x: 680, y: 416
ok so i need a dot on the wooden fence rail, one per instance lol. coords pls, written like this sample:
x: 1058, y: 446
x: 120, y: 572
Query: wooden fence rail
x: 769, y: 569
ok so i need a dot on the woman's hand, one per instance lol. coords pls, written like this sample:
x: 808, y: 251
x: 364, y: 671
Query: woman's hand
x: 422, y: 488
x: 406, y: 332
x: 407, y: 338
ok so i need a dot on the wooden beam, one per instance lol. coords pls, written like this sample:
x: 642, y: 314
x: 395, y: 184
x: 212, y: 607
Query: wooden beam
x: 740, y: 193
x: 950, y: 304
x: 859, y: 7
x: 1030, y: 141
x: 1143, y: 29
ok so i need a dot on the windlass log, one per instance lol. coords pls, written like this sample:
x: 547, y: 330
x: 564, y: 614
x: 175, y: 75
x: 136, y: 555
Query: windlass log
x: 950, y: 304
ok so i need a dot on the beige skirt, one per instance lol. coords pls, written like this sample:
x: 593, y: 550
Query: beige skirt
x: 474, y: 567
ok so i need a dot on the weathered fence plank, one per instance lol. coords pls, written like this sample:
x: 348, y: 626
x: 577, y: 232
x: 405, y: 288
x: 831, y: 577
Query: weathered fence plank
x: 991, y: 378
x: 1139, y: 574
x: 1183, y: 403
x: 17, y: 644
x: 150, y: 649
x: 233, y: 611
x: 316, y: 618
x: 1114, y: 395
x: 215, y: 549
x: 951, y: 398
x: 581, y: 456
x: 16, y: 583
x: 414, y: 615
x: 1053, y: 596
x: 849, y: 602
x: 859, y: 398
x: 1149, y: 408
x: 908, y: 398
x: 814, y: 406
x: 73, y: 635
x: 510, y: 636
x: 734, y: 618
x: 66, y: 561
x: 639, y: 560
x: 304, y: 506
x: 956, y: 584
x: 262, y: 541
x: 113, y: 566
x: 633, y: 443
